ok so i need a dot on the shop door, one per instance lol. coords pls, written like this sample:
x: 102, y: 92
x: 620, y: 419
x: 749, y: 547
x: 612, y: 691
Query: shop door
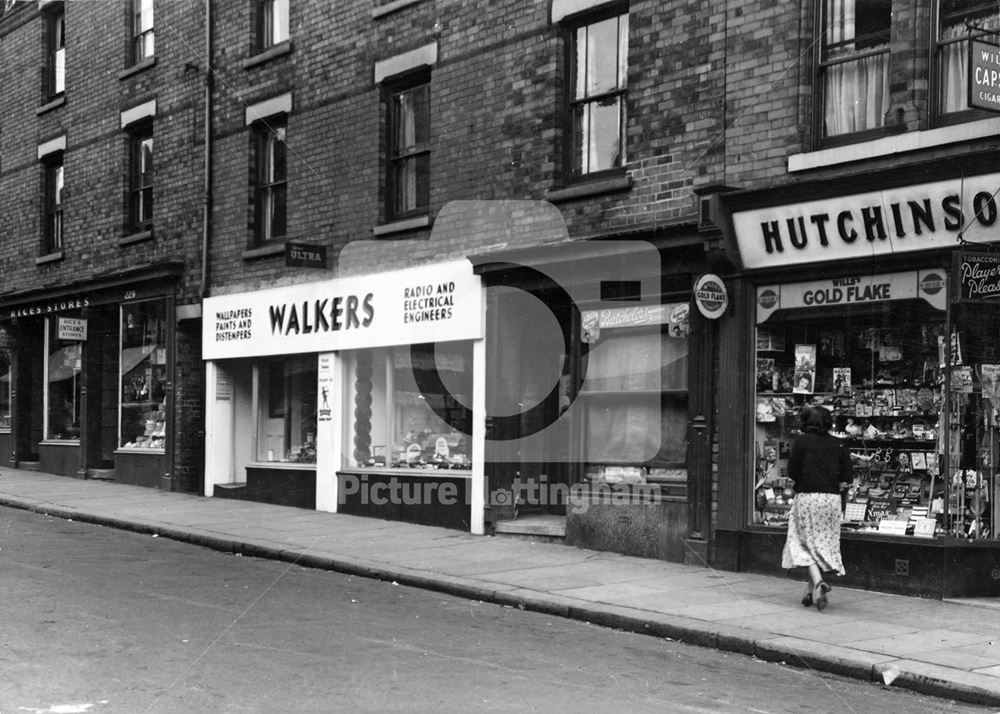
x: 102, y: 389
x: 526, y: 380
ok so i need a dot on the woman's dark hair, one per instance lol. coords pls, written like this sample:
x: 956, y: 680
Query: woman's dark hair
x: 816, y: 420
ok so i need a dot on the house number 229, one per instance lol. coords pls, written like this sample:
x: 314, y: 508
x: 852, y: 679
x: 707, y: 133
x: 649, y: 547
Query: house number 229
x: 130, y: 294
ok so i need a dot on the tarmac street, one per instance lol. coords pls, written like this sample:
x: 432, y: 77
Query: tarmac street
x: 154, y: 625
x: 949, y: 649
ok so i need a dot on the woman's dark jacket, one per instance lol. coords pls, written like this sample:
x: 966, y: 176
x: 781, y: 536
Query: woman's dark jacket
x: 818, y: 463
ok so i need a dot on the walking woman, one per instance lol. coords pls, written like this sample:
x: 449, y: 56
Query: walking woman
x: 818, y: 463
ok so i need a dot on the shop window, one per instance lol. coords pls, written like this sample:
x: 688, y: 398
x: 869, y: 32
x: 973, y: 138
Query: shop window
x: 56, y: 43
x: 272, y: 23
x: 953, y: 49
x: 5, y: 376
x: 143, y: 375
x: 270, y: 195
x: 142, y: 30
x: 396, y: 423
x: 53, y: 218
x: 924, y: 463
x: 635, y: 399
x: 286, y: 416
x: 409, y: 149
x: 140, y: 207
x: 597, y: 96
x: 62, y: 384
x: 854, y: 66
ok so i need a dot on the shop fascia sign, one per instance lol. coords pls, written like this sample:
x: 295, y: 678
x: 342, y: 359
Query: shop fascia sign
x: 864, y: 225
x: 984, y: 75
x: 434, y: 303
x: 927, y: 285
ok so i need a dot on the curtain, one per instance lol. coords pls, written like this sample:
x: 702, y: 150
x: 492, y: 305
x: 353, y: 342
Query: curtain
x: 856, y: 94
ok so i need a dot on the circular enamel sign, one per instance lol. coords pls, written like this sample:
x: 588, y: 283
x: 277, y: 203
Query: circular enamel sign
x: 710, y: 296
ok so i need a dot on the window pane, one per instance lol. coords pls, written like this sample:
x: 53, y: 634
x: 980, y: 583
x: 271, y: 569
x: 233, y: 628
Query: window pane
x: 4, y: 389
x: 143, y: 364
x: 602, y: 57
x: 286, y: 422
x: 629, y: 360
x: 411, y: 180
x: 63, y: 385
x: 953, y: 48
x: 279, y: 15
x: 636, y: 429
x: 276, y: 212
x: 59, y: 72
x: 412, y: 118
x: 855, y: 89
x: 395, y: 415
x: 144, y: 16
x: 598, y: 128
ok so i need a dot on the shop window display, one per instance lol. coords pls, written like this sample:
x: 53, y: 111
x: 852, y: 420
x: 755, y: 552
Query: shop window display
x: 923, y: 462
x: 62, y: 377
x: 4, y: 389
x: 635, y: 400
x: 397, y: 424
x: 143, y: 375
x: 286, y: 419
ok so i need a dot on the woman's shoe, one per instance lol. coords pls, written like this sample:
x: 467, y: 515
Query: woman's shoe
x: 807, y: 599
x: 819, y: 595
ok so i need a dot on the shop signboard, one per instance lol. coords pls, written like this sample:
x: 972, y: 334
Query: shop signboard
x: 304, y: 255
x: 977, y: 276
x: 886, y: 222
x: 927, y: 285
x: 432, y: 303
x: 984, y: 75
x: 72, y: 328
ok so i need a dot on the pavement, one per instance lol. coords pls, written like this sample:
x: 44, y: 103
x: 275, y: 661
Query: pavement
x: 944, y: 648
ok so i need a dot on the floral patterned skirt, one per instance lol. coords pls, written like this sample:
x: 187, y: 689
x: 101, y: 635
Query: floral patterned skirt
x: 814, y: 533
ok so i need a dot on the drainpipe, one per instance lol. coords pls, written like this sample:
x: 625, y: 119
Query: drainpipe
x: 206, y: 228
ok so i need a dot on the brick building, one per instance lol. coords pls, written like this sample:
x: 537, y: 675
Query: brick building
x: 440, y: 261
x: 102, y: 234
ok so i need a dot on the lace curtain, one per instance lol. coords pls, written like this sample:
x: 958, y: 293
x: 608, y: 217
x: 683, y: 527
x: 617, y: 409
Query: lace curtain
x: 855, y: 91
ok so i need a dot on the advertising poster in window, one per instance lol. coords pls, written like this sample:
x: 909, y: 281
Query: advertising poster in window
x: 805, y: 369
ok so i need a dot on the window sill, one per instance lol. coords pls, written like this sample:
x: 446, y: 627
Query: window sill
x: 134, y: 238
x: 140, y: 450
x: 60, y: 442
x: 269, y: 54
x: 409, y: 224
x: 402, y: 471
x: 50, y: 105
x: 285, y: 465
x: 50, y: 258
x: 589, y: 188
x: 264, y: 251
x: 391, y: 7
x: 896, y: 144
x: 137, y: 67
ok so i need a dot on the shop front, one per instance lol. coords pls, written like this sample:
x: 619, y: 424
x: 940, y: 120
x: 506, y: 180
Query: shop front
x: 883, y: 308
x: 85, y: 377
x: 355, y: 395
x: 598, y: 390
